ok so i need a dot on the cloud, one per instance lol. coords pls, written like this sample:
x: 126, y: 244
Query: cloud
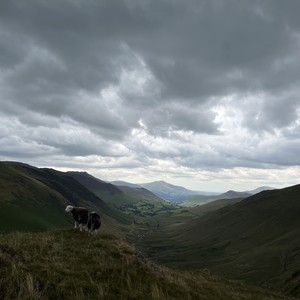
x: 162, y: 86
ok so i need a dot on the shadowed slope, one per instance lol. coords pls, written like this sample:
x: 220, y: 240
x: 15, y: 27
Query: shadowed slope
x: 71, y: 265
x: 256, y: 240
x: 33, y: 199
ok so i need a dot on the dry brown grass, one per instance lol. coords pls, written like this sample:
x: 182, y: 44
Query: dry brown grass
x: 69, y: 264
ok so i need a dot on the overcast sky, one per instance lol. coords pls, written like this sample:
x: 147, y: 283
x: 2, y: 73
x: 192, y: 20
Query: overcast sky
x: 203, y: 93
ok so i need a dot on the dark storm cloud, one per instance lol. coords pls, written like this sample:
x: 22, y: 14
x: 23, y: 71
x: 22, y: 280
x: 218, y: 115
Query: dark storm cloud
x: 175, y: 116
x: 201, y: 45
x: 191, y: 48
x: 110, y: 70
x: 273, y: 113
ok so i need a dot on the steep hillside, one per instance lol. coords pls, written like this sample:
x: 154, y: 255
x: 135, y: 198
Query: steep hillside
x: 169, y: 192
x: 93, y: 183
x: 69, y: 264
x: 256, y: 240
x: 28, y: 204
x: 33, y: 199
x: 124, y: 183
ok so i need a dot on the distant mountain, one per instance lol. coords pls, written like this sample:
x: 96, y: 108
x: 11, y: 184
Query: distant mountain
x: 233, y: 194
x: 124, y: 183
x: 260, y: 189
x: 202, y: 199
x: 169, y: 192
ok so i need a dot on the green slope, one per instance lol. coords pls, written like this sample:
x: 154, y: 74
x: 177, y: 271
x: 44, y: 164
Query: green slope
x: 256, y: 240
x: 69, y: 264
x: 93, y: 183
x: 33, y: 199
x: 28, y: 204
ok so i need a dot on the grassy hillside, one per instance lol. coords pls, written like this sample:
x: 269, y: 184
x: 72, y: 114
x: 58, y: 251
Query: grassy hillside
x: 173, y: 193
x: 69, y: 264
x: 93, y: 183
x: 256, y: 240
x: 33, y: 199
x: 28, y: 204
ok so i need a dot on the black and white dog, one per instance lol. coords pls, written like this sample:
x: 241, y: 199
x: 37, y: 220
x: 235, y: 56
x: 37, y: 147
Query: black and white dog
x: 94, y: 223
x: 80, y: 216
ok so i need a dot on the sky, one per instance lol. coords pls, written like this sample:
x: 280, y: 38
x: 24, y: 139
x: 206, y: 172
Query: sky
x: 198, y: 93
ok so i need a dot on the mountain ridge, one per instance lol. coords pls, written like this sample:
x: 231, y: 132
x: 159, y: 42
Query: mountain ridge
x: 179, y: 195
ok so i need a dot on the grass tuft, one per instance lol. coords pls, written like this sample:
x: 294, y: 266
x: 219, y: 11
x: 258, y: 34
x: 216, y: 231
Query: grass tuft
x: 69, y: 264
